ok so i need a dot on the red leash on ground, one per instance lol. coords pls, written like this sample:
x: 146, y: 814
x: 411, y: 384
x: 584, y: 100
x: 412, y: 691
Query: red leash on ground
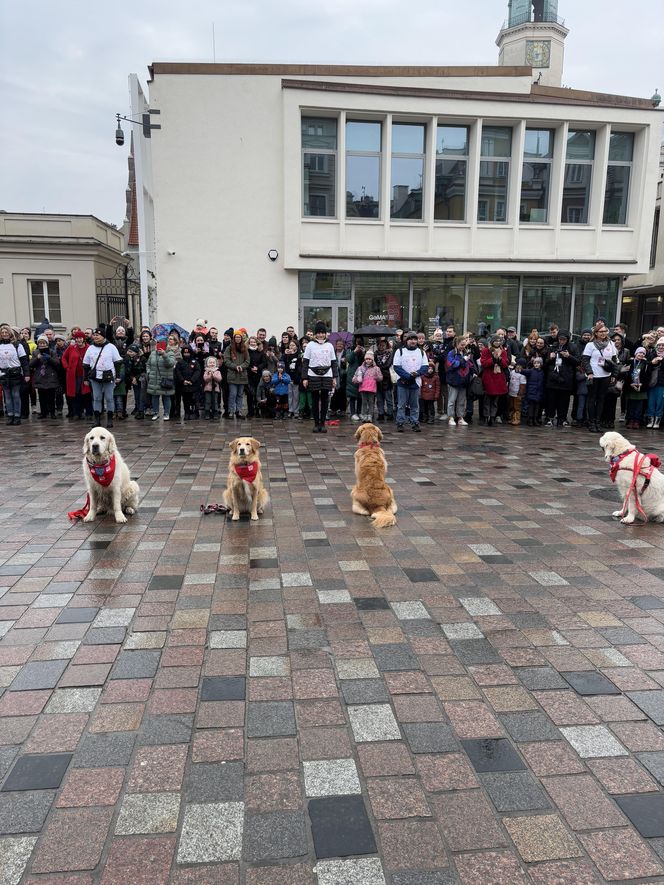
x: 214, y: 508
x: 637, y: 470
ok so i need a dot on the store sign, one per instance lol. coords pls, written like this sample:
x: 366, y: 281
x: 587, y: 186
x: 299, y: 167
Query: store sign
x: 377, y: 317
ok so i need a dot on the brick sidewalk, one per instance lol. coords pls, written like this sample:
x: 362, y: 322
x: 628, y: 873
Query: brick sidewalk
x: 473, y: 696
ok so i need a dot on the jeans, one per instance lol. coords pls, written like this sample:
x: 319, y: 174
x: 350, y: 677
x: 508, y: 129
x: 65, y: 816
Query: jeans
x: 155, y: 403
x: 293, y: 397
x: 656, y: 402
x: 368, y: 404
x: 580, y: 406
x: 408, y: 396
x: 385, y: 401
x: 119, y: 403
x: 105, y: 390
x: 235, y: 398
x: 12, y: 397
x: 456, y: 401
x: 139, y: 398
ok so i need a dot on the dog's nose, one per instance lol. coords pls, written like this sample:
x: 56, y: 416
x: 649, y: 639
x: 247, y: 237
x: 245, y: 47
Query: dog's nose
x: 95, y: 447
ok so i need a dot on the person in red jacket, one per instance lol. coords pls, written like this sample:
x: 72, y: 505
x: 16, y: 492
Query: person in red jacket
x: 429, y: 394
x: 494, y: 360
x: 77, y: 390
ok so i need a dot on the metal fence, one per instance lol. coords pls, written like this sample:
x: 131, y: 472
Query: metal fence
x: 119, y: 296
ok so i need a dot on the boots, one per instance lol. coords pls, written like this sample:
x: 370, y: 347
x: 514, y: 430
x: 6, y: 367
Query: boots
x: 97, y: 417
x: 109, y: 419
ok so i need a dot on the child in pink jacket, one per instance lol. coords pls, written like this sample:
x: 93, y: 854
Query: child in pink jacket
x: 211, y: 387
x: 368, y: 376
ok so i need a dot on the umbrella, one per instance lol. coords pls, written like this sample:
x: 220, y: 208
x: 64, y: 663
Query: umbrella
x: 162, y: 330
x: 346, y: 337
x: 376, y: 331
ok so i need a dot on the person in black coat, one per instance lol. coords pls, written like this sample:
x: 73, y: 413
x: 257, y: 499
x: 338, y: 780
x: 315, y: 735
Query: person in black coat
x: 560, y: 376
x: 257, y: 362
x: 187, y: 377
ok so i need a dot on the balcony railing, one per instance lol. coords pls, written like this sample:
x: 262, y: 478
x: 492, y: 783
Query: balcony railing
x: 527, y: 18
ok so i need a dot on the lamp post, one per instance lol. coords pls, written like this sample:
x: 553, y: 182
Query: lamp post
x: 144, y: 122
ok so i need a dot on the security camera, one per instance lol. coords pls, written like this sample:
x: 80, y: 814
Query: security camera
x: 171, y: 251
x: 119, y: 137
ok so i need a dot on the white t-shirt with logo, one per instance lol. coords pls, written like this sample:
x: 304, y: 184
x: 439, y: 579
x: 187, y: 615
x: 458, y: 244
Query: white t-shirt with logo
x: 598, y: 358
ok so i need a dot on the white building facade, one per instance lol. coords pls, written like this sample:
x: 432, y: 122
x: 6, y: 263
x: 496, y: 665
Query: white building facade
x: 414, y: 197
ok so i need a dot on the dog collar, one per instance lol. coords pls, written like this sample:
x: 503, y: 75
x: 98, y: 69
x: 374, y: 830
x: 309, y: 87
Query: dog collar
x: 102, y: 473
x: 247, y: 472
x: 615, y: 460
x: 369, y: 445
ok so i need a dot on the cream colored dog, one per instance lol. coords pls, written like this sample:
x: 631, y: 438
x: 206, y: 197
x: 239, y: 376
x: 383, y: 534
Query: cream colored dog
x: 109, y: 485
x: 244, y: 491
x: 646, y: 492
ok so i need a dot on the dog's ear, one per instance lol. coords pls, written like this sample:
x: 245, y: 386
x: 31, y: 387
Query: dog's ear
x: 232, y: 445
x: 112, y: 448
x: 86, y: 445
x: 379, y: 433
x: 359, y: 432
x: 254, y: 442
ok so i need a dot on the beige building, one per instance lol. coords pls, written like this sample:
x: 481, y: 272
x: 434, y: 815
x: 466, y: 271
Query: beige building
x: 643, y: 294
x: 69, y: 268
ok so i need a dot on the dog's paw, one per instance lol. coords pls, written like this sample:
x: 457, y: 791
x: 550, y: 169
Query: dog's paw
x: 616, y: 514
x: 130, y: 511
x: 120, y: 517
x: 627, y: 520
x: 235, y: 517
x: 90, y: 517
x: 254, y: 518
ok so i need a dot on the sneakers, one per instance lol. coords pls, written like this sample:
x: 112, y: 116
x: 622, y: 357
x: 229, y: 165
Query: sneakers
x: 167, y: 417
x: 354, y: 417
x: 621, y: 420
x: 462, y: 423
x: 451, y: 422
x: 549, y: 423
x: 651, y: 423
x: 655, y: 425
x: 155, y: 417
x: 498, y: 419
x: 442, y: 417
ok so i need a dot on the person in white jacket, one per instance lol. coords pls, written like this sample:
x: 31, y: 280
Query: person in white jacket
x: 101, y: 358
x: 410, y: 363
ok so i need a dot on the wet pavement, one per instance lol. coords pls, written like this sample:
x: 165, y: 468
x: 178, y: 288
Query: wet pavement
x: 474, y: 696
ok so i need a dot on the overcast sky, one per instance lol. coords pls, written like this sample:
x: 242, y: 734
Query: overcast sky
x: 64, y: 67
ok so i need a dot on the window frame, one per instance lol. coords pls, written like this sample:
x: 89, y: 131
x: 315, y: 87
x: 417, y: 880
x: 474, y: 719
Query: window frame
x: 540, y: 161
x: 578, y: 180
x: 409, y: 155
x: 621, y: 164
x: 48, y: 310
x: 371, y: 154
x: 319, y: 152
x: 451, y: 158
x: 499, y: 162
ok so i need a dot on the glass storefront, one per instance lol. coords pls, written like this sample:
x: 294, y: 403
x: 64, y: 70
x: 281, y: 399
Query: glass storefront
x: 424, y: 301
x: 438, y: 300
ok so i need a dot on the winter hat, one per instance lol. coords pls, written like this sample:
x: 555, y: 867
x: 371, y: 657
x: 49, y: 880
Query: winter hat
x: 211, y: 362
x: 79, y: 333
x: 563, y: 333
x: 119, y: 330
x: 410, y: 335
x: 320, y: 329
x: 59, y: 337
x: 537, y: 362
x: 640, y: 350
x: 496, y: 339
x: 272, y: 341
x: 369, y: 353
x: 241, y: 331
x: 281, y: 364
x: 511, y: 329
x: 660, y: 342
x: 522, y: 363
x: 229, y: 332
x: 42, y: 338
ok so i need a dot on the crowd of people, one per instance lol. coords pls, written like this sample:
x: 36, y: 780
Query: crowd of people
x: 406, y: 378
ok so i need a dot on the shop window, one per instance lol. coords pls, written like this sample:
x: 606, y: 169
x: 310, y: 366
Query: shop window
x: 324, y: 286
x: 493, y: 302
x: 595, y: 297
x: 438, y: 300
x: 319, y: 165
x: 381, y: 298
x: 545, y: 300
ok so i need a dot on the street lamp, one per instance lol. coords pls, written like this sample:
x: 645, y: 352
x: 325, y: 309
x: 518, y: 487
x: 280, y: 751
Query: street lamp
x: 144, y: 122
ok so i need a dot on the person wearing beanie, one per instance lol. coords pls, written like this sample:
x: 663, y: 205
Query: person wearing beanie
x: 187, y: 377
x: 494, y: 359
x: 211, y: 387
x: 354, y: 359
x: 410, y: 363
x: 77, y: 390
x: 560, y: 372
x: 367, y: 377
x: 265, y: 397
x: 320, y: 372
x: 45, y: 367
x: 280, y: 384
x: 236, y: 361
x: 200, y: 328
x: 638, y: 382
x: 655, y: 409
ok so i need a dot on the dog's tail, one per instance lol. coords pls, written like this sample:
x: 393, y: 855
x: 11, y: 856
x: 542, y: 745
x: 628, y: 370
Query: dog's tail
x: 383, y: 518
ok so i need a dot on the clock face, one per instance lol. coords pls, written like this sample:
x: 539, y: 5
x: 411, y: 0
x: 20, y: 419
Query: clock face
x: 538, y: 53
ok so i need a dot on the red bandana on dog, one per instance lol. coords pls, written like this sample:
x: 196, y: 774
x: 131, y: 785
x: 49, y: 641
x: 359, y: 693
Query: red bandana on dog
x: 103, y: 475
x: 247, y: 472
x: 369, y: 445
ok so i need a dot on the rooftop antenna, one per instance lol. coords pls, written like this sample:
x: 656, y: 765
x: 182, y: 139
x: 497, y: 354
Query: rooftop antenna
x: 214, y: 48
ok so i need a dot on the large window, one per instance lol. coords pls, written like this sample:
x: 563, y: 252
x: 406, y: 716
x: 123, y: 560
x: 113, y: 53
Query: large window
x: 595, y: 297
x: 324, y: 285
x: 493, y: 302
x: 363, y: 146
x: 381, y: 298
x: 319, y: 166
x: 578, y: 176
x: 451, y: 171
x: 45, y: 300
x: 536, y: 178
x: 546, y: 300
x: 495, y: 156
x: 616, y: 195
x: 438, y: 300
x: 408, y: 140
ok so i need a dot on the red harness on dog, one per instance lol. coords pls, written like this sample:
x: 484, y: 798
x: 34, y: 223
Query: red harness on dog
x: 638, y: 470
x: 369, y: 445
x: 247, y: 472
x: 103, y: 475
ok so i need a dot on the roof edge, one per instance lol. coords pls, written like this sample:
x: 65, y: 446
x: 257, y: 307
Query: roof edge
x: 316, y: 70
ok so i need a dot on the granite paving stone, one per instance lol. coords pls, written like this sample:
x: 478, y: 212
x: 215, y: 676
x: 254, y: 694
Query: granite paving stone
x: 460, y: 699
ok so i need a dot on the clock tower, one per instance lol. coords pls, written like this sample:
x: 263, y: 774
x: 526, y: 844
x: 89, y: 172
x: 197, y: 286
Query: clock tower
x: 534, y: 34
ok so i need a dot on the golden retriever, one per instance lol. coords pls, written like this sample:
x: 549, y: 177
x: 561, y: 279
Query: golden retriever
x: 371, y: 495
x: 650, y: 493
x: 121, y: 493
x: 245, y: 492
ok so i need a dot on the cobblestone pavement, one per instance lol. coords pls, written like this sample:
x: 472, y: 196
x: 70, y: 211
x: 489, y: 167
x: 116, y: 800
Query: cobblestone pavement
x: 474, y: 696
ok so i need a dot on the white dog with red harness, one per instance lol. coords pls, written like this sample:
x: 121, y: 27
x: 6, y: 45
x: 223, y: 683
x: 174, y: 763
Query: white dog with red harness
x: 639, y: 481
x: 108, y: 481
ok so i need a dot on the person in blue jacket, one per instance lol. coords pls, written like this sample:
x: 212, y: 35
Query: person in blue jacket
x: 280, y: 381
x: 535, y: 391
